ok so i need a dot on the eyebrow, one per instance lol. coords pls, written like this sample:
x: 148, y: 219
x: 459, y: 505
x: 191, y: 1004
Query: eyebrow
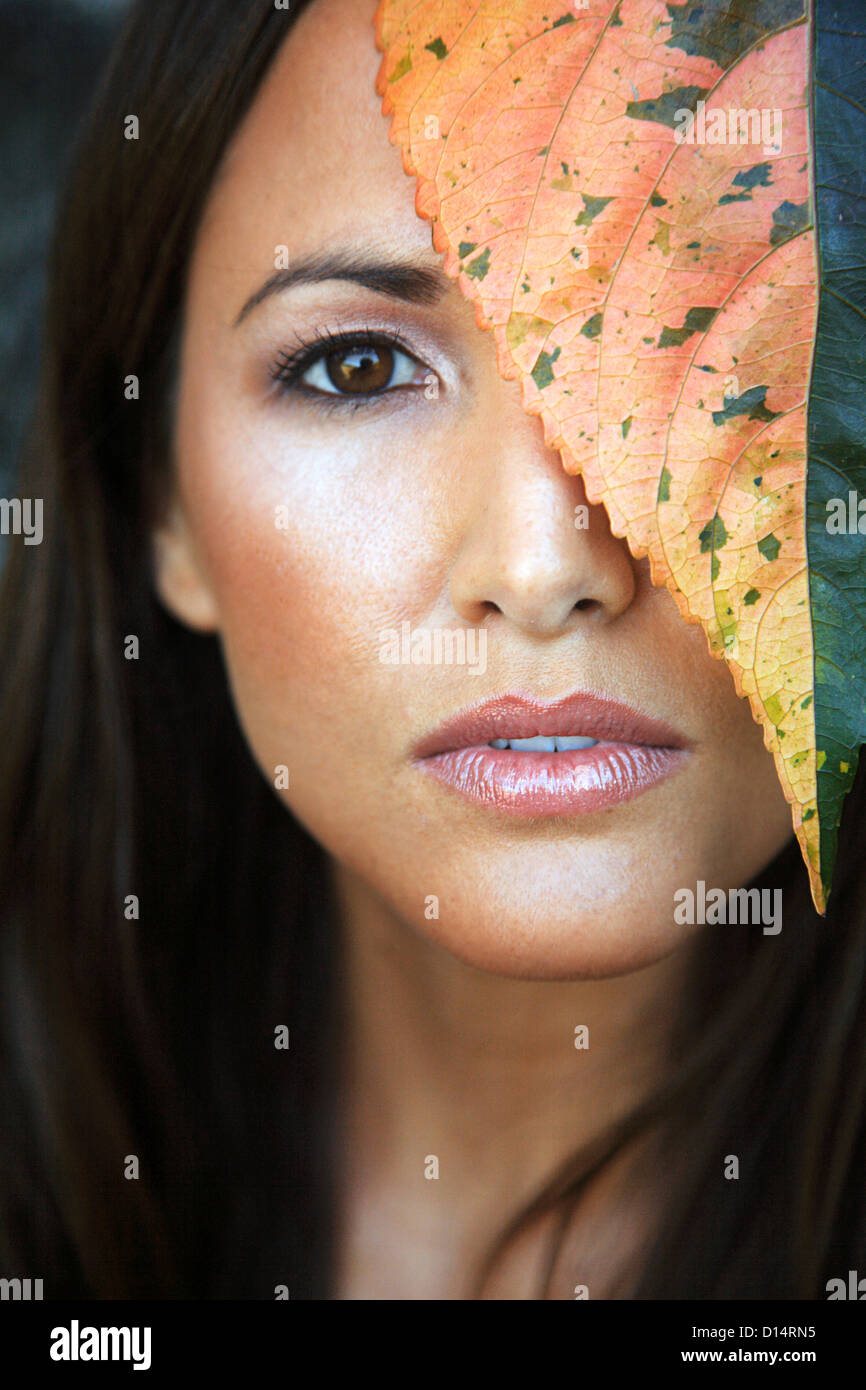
x: 399, y: 279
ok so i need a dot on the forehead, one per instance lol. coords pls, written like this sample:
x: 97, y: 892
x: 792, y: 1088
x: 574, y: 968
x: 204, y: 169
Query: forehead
x: 311, y: 164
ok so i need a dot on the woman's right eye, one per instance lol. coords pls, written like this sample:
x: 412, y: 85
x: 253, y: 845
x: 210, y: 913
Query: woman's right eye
x: 363, y: 368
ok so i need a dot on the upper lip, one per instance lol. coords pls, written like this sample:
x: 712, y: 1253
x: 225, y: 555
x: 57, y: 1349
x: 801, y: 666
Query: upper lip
x: 521, y: 716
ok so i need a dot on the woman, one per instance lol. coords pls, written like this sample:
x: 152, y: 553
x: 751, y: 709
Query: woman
x: 300, y: 998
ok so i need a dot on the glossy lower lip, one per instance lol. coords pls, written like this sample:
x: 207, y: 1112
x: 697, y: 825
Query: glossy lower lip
x: 634, y: 752
x: 553, y: 784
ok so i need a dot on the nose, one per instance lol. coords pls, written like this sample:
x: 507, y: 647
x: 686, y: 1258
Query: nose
x: 532, y: 548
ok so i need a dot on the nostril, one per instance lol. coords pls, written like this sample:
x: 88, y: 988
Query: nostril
x: 584, y: 603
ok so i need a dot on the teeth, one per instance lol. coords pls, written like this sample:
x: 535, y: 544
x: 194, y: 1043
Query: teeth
x: 534, y: 745
x: 560, y: 743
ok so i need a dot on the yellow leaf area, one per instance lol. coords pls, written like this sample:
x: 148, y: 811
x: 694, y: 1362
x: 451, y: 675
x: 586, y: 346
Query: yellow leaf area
x: 656, y: 298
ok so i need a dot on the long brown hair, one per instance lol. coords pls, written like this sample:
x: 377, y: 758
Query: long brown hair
x: 126, y: 788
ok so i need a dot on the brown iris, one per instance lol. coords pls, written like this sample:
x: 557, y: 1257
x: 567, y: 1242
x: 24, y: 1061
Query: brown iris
x: 360, y: 369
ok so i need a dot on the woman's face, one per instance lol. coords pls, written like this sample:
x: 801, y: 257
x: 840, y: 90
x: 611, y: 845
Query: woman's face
x: 395, y: 487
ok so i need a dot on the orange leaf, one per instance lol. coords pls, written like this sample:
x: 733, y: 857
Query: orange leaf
x: 651, y: 280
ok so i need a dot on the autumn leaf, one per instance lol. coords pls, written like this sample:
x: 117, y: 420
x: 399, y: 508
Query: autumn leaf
x: 657, y: 207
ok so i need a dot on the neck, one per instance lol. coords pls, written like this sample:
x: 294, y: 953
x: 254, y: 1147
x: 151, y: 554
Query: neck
x: 479, y: 1072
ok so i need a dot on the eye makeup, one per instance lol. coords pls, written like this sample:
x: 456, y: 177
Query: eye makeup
x: 351, y: 367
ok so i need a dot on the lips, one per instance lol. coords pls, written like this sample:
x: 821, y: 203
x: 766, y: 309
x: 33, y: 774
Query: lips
x: 633, y: 752
x: 515, y: 716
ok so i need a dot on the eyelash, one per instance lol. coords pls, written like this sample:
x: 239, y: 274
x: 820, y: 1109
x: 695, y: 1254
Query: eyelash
x: 289, y: 367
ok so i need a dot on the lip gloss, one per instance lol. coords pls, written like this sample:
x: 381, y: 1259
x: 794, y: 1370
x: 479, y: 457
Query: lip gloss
x: 550, y: 784
x: 620, y: 753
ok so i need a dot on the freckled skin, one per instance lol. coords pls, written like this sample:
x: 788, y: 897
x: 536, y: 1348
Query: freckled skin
x: 446, y: 511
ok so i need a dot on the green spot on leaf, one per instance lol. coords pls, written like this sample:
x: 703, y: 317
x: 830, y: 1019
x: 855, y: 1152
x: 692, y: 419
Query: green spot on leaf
x: 519, y: 325
x: 769, y: 547
x: 697, y: 320
x: 751, y: 403
x: 713, y: 535
x: 788, y: 220
x: 542, y: 372
x: 437, y: 47
x: 723, y: 31
x: 591, y: 208
x: 477, y: 269
x: 662, y: 238
x: 751, y: 597
x: 757, y: 176
x: 404, y: 66
x: 663, y: 108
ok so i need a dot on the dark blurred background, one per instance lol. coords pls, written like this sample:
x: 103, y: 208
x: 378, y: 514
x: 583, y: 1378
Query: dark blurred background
x: 51, y: 55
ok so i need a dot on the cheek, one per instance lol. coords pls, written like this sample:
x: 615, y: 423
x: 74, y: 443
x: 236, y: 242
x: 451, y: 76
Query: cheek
x: 309, y: 566
x: 736, y: 818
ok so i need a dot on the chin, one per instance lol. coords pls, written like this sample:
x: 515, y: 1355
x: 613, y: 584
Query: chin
x: 563, y: 945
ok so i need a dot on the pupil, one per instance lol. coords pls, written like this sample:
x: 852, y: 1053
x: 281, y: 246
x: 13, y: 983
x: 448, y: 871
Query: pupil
x: 361, y: 369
